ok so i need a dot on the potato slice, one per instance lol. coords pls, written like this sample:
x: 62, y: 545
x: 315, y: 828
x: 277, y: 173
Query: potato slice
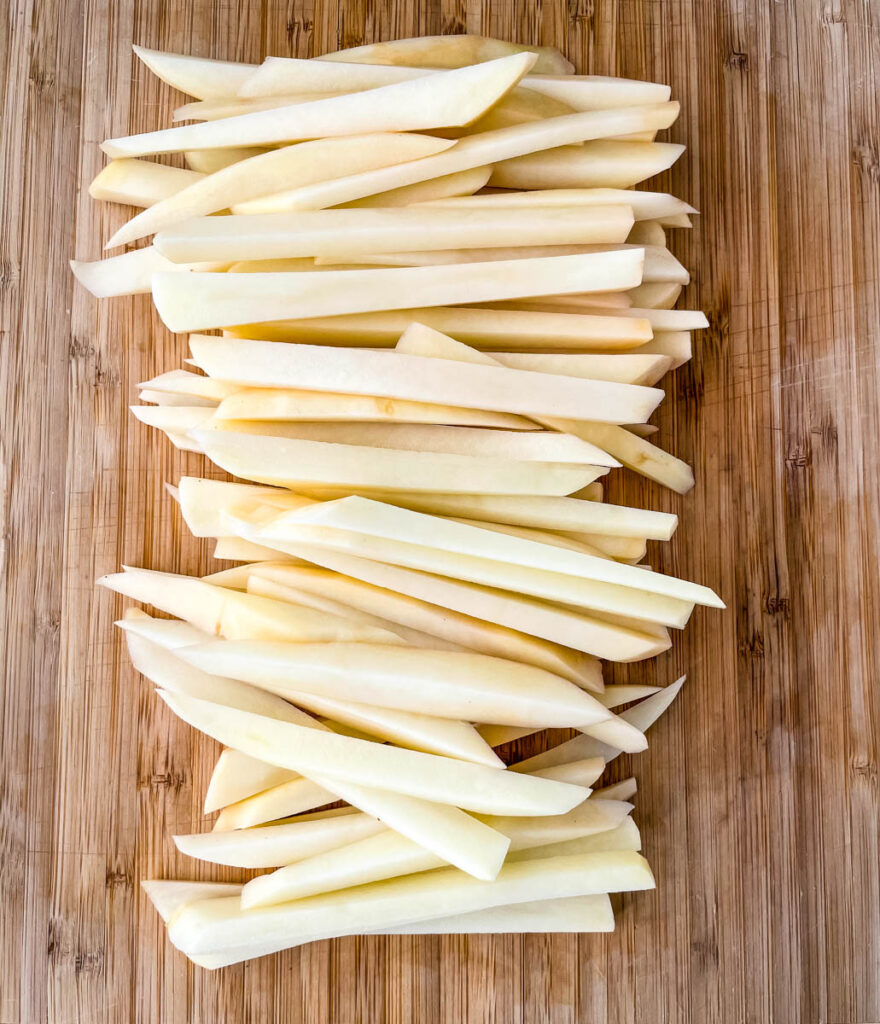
x: 600, y: 163
x: 269, y: 172
x: 639, y: 455
x: 323, y: 406
x: 624, y: 790
x: 389, y: 855
x: 675, y: 345
x: 453, y: 51
x: 450, y: 684
x: 463, y: 630
x: 131, y: 273
x: 431, y: 102
x: 623, y: 368
x: 209, y: 161
x: 313, y: 465
x: 236, y: 549
x: 197, y: 76
x: 187, y: 384
x: 235, y: 106
x: 418, y: 378
x: 222, y: 612
x: 597, y: 92
x: 215, y: 300
x: 645, y: 205
x: 662, y: 295
x: 480, y: 150
x: 462, y: 183
x: 488, y: 328
x: 287, y: 798
x: 359, y: 762
x: 625, y: 837
x: 140, y: 182
x: 222, y: 928
x: 170, y: 896
x: 236, y: 777
x: 203, y: 503
x: 347, y: 235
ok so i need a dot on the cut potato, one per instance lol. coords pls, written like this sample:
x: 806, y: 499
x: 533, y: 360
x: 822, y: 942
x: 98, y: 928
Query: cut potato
x: 140, y: 182
x: 624, y: 790
x: 388, y: 855
x: 451, y: 51
x: 221, y: 612
x: 280, y: 801
x: 624, y: 549
x: 237, y: 776
x: 648, y: 233
x: 378, y: 519
x: 322, y: 406
x: 306, y: 465
x: 186, y: 384
x: 461, y: 183
x: 623, y: 368
x: 413, y: 377
x: 234, y: 106
x: 644, y: 205
x: 222, y: 928
x: 358, y: 762
x: 169, y: 398
x: 170, y: 896
x: 347, y: 235
x: 451, y: 684
x: 129, y: 274
x: 596, y: 92
x: 204, y: 503
x: 209, y: 161
x: 452, y: 627
x: 220, y: 300
x: 431, y: 102
x: 667, y: 319
x: 656, y: 295
x: 580, y: 914
x: 236, y: 549
x: 266, y: 173
x: 481, y: 150
x: 561, y: 625
x: 637, y: 454
x: 596, y: 164
x: 675, y: 345
x: 625, y: 837
x: 197, y: 76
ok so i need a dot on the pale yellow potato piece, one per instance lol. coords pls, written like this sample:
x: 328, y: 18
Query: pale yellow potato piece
x: 446, y: 624
x: 431, y: 102
x: 597, y: 92
x: 287, y: 798
x: 598, y: 163
x: 378, y: 519
x: 677, y: 220
x: 638, y: 454
x: 487, y: 328
x: 648, y: 232
x: 355, y: 234
x: 642, y: 716
x: 266, y: 173
x: 575, y: 914
x: 389, y: 855
x: 480, y: 150
x: 624, y: 549
x: 675, y: 345
x: 663, y: 295
x: 625, y: 837
x: 174, y: 418
x: 209, y: 161
x: 197, y: 76
x: 667, y: 319
x: 624, y: 790
x: 234, y: 106
x: 453, y: 51
x: 140, y: 182
x: 236, y: 549
x: 222, y: 612
x: 420, y: 378
x: 623, y: 368
x: 344, y: 760
x: 169, y: 896
x: 320, y: 406
x: 218, y: 300
x: 237, y: 776
x: 462, y: 183
x: 645, y: 205
x: 131, y: 273
x: 204, y: 503
x: 222, y: 928
x: 187, y: 384
x: 169, y: 398
x: 449, y: 684
x: 308, y: 465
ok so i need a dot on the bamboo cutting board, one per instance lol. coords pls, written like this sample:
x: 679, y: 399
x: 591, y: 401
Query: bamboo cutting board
x: 758, y: 799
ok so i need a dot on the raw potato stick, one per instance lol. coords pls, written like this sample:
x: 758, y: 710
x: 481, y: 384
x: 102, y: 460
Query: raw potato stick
x: 461, y: 183
x: 596, y: 164
x: 623, y: 368
x: 204, y: 503
x: 197, y: 76
x: 416, y: 378
x: 644, y: 205
x: 220, y: 926
x: 342, y: 235
x: 347, y: 761
x: 131, y: 273
x: 237, y: 776
x: 140, y: 182
x: 221, y: 300
x: 251, y: 178
x: 453, y: 99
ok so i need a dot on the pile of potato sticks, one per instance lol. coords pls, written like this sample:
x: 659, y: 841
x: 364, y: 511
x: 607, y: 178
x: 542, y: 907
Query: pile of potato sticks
x: 443, y: 312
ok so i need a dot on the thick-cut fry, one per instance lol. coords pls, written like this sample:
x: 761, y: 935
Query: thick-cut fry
x: 131, y: 273
x: 237, y: 776
x: 675, y: 345
x: 623, y: 790
x: 220, y: 300
x: 388, y: 855
x: 449, y: 684
x: 197, y: 76
x: 140, y: 182
x: 345, y: 235
x: 455, y: 98
x: 416, y: 378
x: 637, y: 454
x: 453, y: 51
x: 343, y: 760
x: 657, y: 295
x: 319, y: 406
x: 644, y: 205
x: 596, y: 164
x: 308, y: 465
x: 222, y: 928
x: 221, y: 612
x: 485, y: 148
x: 464, y: 630
x: 262, y: 175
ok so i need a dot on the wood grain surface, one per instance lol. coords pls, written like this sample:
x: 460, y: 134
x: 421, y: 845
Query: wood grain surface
x: 759, y: 797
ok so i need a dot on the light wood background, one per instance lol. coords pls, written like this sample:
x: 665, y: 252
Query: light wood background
x: 759, y: 796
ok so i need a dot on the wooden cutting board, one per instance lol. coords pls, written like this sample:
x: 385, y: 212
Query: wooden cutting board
x: 758, y: 799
